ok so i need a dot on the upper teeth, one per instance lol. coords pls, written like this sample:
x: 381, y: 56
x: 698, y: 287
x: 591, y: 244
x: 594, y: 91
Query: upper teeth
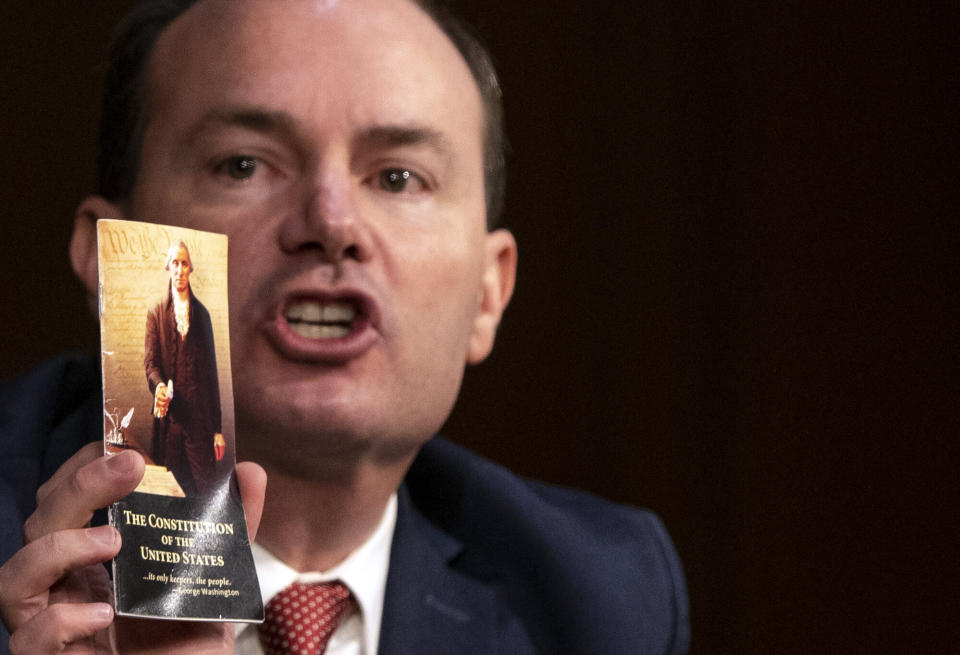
x: 314, y: 311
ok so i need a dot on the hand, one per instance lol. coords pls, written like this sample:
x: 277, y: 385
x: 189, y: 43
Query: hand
x: 219, y: 446
x: 161, y: 402
x: 54, y: 592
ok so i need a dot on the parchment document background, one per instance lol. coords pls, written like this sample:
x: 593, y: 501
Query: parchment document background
x: 132, y: 281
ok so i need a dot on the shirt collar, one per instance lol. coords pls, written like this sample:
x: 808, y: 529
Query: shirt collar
x: 364, y: 572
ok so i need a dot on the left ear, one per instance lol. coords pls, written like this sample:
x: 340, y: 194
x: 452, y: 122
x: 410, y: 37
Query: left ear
x: 499, y: 275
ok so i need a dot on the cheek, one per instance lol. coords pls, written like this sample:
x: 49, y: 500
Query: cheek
x: 441, y: 301
x: 253, y: 262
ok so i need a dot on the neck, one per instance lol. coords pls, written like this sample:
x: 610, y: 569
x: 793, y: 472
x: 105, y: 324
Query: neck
x: 313, y: 522
x: 182, y: 295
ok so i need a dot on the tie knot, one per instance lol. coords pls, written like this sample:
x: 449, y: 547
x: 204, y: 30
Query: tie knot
x: 300, y: 619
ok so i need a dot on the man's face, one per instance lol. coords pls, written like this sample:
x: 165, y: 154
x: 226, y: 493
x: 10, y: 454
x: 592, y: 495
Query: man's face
x: 180, y: 270
x: 340, y: 147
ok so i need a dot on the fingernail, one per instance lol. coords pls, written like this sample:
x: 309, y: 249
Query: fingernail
x: 104, y: 534
x: 121, y: 462
x: 101, y: 611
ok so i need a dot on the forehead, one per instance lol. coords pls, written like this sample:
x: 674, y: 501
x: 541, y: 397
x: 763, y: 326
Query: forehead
x: 353, y: 62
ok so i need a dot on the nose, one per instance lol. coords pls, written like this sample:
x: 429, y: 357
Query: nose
x: 327, y: 221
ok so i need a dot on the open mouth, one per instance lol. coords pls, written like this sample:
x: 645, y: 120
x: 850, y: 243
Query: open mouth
x: 315, y: 319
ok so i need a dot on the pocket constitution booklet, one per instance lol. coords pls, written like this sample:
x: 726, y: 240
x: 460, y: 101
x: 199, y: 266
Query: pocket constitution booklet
x: 168, y: 394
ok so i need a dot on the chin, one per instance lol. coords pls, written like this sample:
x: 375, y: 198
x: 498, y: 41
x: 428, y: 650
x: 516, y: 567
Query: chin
x: 301, y: 430
x: 325, y: 410
x: 308, y: 409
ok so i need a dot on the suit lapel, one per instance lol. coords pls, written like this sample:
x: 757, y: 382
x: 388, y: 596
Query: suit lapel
x: 429, y: 607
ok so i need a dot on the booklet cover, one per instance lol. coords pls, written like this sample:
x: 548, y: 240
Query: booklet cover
x: 168, y: 394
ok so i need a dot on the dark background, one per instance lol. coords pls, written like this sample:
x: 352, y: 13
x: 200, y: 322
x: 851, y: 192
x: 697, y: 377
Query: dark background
x: 736, y: 225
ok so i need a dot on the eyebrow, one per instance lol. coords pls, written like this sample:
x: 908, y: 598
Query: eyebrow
x: 252, y: 118
x: 283, y: 124
x: 395, y: 136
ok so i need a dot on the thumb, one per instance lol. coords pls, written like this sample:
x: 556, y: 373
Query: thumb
x: 252, y: 480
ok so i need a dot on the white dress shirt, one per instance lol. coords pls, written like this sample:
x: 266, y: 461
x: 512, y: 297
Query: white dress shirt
x: 364, y: 572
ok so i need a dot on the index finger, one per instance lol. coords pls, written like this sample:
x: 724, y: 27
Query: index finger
x: 80, y: 458
x: 80, y: 490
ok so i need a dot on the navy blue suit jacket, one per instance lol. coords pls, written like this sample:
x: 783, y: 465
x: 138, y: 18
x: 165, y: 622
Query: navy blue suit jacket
x: 482, y: 561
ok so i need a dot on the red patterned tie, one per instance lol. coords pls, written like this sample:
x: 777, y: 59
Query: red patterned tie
x: 300, y: 619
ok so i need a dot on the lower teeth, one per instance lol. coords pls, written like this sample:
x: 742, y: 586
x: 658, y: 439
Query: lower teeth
x: 320, y: 331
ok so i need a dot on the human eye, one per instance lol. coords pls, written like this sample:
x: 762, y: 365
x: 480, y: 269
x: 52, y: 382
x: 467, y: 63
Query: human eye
x: 400, y: 180
x: 238, y: 167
